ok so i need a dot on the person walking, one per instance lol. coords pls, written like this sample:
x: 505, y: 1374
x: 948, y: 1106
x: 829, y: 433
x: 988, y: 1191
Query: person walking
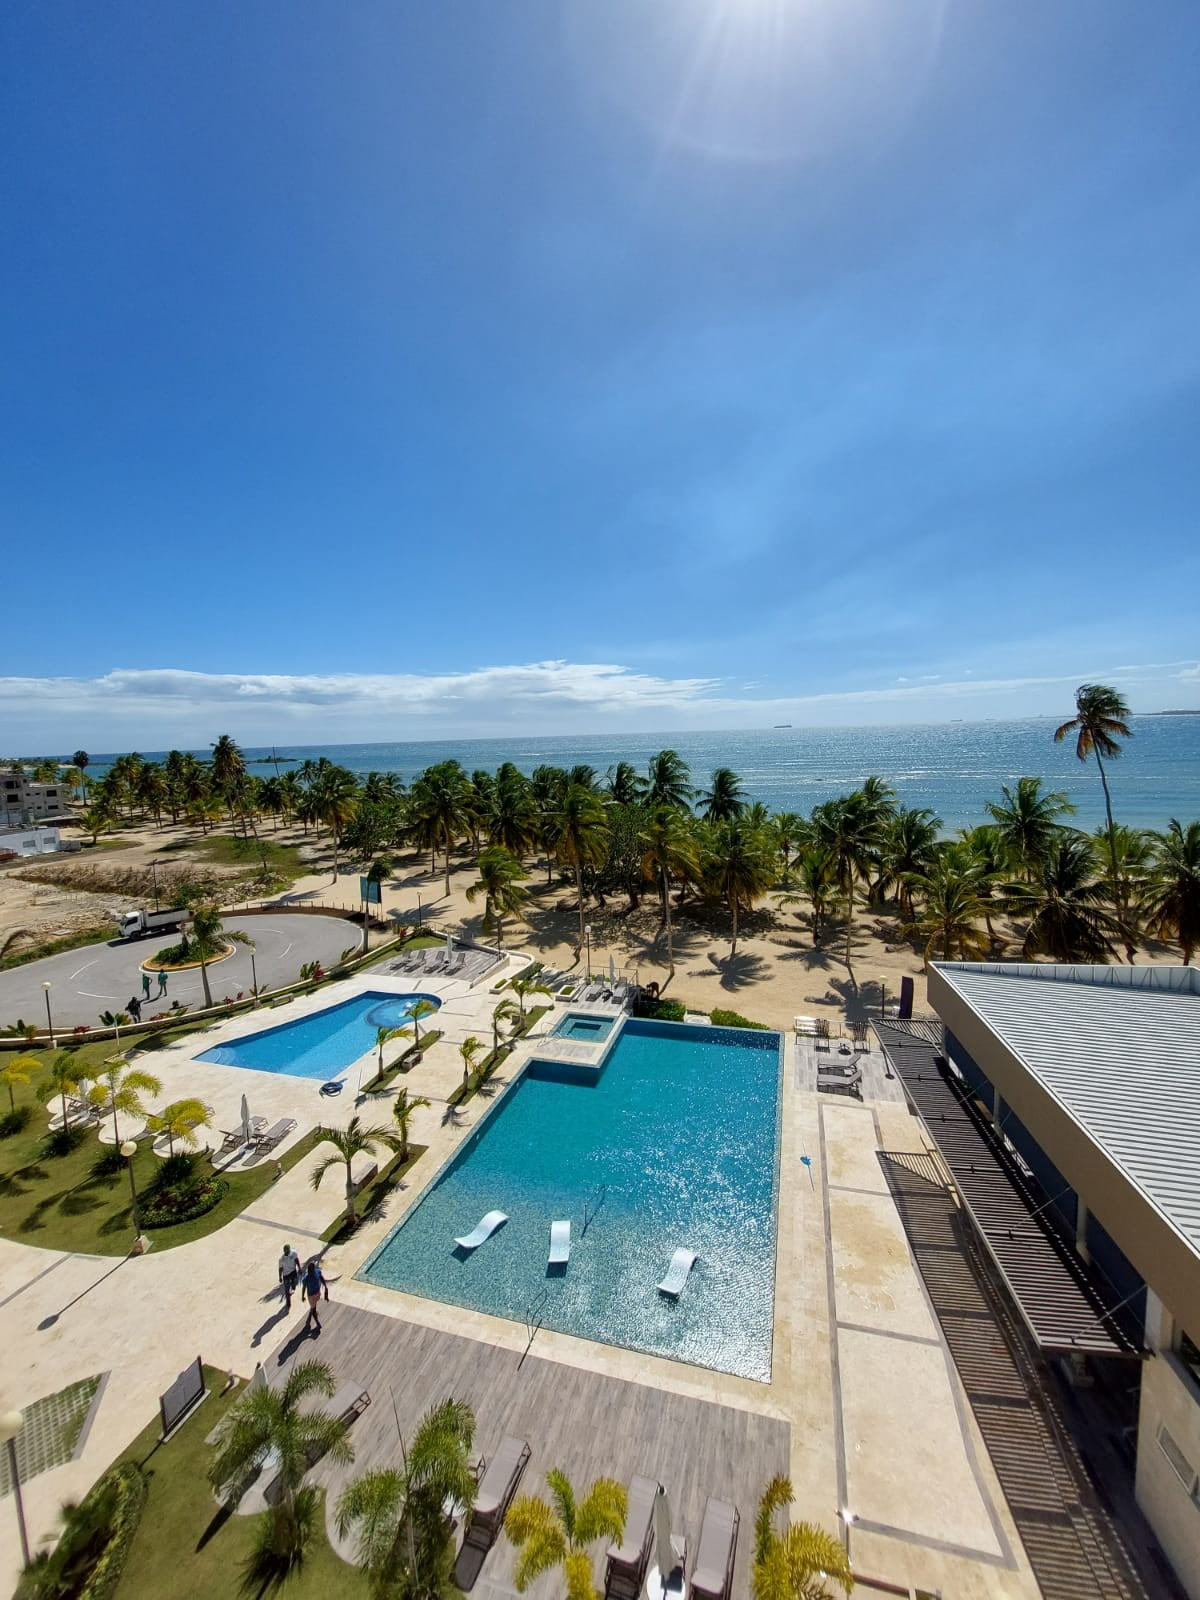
x: 162, y: 984
x: 145, y: 985
x: 290, y: 1268
x: 134, y: 1007
x: 314, y: 1282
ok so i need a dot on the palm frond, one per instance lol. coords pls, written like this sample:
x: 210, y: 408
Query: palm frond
x: 578, y: 1570
x: 563, y: 1496
x: 534, y: 1528
x: 776, y: 1495
x: 602, y: 1513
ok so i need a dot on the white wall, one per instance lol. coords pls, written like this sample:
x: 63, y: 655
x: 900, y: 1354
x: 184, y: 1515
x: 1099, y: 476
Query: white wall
x: 1171, y: 1400
x: 30, y: 841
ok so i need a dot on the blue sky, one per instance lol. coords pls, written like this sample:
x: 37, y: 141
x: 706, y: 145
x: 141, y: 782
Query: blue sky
x: 380, y: 371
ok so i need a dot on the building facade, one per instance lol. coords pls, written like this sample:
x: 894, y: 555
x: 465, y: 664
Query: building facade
x: 29, y: 842
x: 23, y: 802
x: 1091, y: 1075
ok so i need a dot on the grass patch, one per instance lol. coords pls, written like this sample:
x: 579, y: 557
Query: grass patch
x: 373, y: 1196
x: 99, y: 933
x: 405, y: 1062
x: 283, y: 861
x: 71, y: 1194
x: 734, y: 1019
x: 186, y: 1547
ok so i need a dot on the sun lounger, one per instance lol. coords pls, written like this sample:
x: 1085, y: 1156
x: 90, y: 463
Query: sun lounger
x: 625, y: 1564
x: 349, y: 1400
x: 275, y: 1134
x: 483, y: 1229
x: 560, y: 1243
x: 712, y: 1575
x: 677, y: 1273
x: 496, y: 1490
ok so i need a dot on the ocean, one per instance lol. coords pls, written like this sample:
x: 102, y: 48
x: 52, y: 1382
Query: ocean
x: 953, y: 768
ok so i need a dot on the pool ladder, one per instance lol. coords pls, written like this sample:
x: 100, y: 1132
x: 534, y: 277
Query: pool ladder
x: 533, y: 1323
x: 593, y: 1205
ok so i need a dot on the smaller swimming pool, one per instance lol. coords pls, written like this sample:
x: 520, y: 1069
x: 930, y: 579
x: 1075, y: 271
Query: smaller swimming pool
x: 584, y: 1027
x: 325, y: 1043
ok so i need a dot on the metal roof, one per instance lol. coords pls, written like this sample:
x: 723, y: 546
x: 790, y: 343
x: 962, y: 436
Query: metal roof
x: 1064, y: 1304
x: 1119, y: 1049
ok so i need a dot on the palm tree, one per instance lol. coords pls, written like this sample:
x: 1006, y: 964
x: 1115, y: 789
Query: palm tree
x: 119, y: 1088
x: 403, y: 1107
x: 625, y: 786
x: 100, y: 817
x: 179, y: 1121
x: 81, y: 761
x: 1173, y: 893
x: 954, y: 906
x: 19, y: 1071
x: 505, y: 1011
x: 206, y: 938
x: 668, y: 781
x: 336, y: 793
x: 850, y: 829
x: 1134, y: 859
x: 397, y: 1515
x: 1100, y: 723
x: 65, y: 1078
x: 1028, y: 821
x: 558, y: 1532
x: 442, y: 796
x: 738, y: 867
x: 909, y: 845
x: 817, y: 873
x: 1064, y: 908
x: 581, y: 833
x: 512, y: 815
x: 668, y: 851
x: 268, y: 1422
x: 499, y: 881
x: 348, y: 1142
x: 468, y: 1050
x: 385, y: 1036
x: 790, y: 831
x: 523, y: 986
x: 794, y: 1565
x: 418, y: 1011
x: 724, y: 799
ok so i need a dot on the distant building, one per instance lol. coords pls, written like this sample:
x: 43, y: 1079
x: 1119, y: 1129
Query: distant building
x: 1091, y: 1074
x: 29, y: 842
x: 22, y: 801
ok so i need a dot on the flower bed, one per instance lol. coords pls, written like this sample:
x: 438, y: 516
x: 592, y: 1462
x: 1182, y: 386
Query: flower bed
x: 182, y: 1202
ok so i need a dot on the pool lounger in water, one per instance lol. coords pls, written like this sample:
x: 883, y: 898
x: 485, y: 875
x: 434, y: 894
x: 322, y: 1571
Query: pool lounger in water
x: 482, y: 1230
x: 560, y: 1243
x: 677, y: 1273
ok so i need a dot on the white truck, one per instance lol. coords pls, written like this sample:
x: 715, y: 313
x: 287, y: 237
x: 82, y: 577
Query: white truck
x: 137, y: 924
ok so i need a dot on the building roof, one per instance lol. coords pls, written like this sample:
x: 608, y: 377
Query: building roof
x: 1119, y: 1049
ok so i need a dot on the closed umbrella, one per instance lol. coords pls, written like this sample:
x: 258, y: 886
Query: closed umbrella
x: 245, y: 1119
x: 669, y: 1575
x: 612, y: 970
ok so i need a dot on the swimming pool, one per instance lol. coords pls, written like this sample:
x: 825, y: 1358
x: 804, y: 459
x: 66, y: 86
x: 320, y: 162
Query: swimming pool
x: 674, y: 1143
x: 584, y: 1027
x: 324, y: 1044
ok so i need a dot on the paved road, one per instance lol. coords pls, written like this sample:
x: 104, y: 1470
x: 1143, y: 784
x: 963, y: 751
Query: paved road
x: 101, y: 977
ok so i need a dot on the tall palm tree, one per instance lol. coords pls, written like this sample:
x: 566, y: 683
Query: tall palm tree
x: 442, y: 799
x: 385, y: 1036
x: 908, y: 848
x: 738, y: 866
x: 65, y: 1078
x: 119, y: 1088
x: 81, y: 761
x: 558, y: 1532
x: 791, y: 832
x: 667, y: 783
x: 505, y: 1012
x: 336, y: 793
x: 523, y: 986
x: 851, y: 828
x: 206, y: 938
x: 268, y: 1423
x: 397, y: 1514
x: 179, y: 1121
x: 1065, y: 907
x: 954, y: 905
x: 1134, y: 860
x: 725, y: 797
x: 404, y: 1106
x: 668, y: 851
x: 581, y: 835
x: 468, y: 1050
x: 352, y: 1140
x: 1027, y: 821
x: 512, y: 820
x: 1100, y: 722
x: 625, y: 785
x: 796, y: 1564
x: 19, y: 1070
x: 417, y: 1012
x: 1173, y: 893
x: 499, y: 881
x: 816, y: 871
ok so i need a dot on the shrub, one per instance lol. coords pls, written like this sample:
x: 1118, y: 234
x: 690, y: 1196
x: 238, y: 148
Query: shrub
x: 175, y: 1171
x: 15, y: 1121
x: 734, y: 1019
x: 167, y: 1205
x: 87, y: 1562
x: 662, y: 1010
x: 62, y: 1141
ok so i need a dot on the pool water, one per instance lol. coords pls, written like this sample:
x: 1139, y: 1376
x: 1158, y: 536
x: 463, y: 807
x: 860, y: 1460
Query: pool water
x: 584, y: 1027
x: 323, y: 1044
x: 677, y: 1139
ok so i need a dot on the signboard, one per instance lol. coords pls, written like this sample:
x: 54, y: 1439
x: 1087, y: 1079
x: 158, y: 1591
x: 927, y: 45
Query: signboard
x: 182, y: 1397
x: 370, y: 891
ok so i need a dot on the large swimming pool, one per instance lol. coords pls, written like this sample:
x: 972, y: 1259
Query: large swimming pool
x: 676, y: 1139
x: 323, y: 1044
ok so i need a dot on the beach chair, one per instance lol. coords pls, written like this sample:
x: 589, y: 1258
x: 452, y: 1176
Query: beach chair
x: 682, y: 1263
x: 712, y: 1575
x: 822, y: 1033
x: 560, y: 1243
x: 625, y: 1564
x: 495, y: 1492
x: 483, y: 1229
x: 275, y: 1134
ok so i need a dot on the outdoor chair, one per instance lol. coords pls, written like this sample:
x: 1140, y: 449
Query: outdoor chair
x: 496, y: 1490
x: 712, y: 1575
x: 625, y: 1564
x: 274, y: 1135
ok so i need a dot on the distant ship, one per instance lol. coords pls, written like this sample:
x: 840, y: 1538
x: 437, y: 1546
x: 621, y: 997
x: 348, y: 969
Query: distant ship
x: 783, y: 724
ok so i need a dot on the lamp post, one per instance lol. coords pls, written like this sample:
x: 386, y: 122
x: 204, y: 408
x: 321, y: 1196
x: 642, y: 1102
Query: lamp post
x: 254, y: 977
x: 129, y: 1150
x: 154, y: 873
x: 11, y: 1423
x: 588, y: 934
x: 883, y: 999
x: 49, y: 1019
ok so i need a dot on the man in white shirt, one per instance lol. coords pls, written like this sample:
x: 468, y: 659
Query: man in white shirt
x: 290, y: 1267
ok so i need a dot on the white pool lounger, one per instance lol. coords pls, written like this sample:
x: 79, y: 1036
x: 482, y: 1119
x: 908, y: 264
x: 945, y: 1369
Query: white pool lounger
x: 677, y: 1273
x: 560, y: 1243
x: 483, y: 1229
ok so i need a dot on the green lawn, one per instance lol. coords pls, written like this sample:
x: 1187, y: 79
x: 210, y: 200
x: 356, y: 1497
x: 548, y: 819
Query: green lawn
x: 224, y: 850
x: 73, y: 1201
x: 185, y: 1547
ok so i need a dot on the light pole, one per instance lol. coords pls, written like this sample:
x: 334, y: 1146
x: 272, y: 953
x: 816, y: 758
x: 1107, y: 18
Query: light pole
x: 154, y: 872
x: 49, y: 1019
x: 11, y: 1423
x: 254, y: 977
x: 883, y: 999
x: 588, y: 934
x: 129, y: 1150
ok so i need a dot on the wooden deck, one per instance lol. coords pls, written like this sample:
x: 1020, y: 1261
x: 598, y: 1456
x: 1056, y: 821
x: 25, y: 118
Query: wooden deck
x: 876, y: 1084
x: 588, y: 1424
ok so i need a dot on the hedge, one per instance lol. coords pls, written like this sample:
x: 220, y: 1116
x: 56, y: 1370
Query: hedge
x: 734, y: 1019
x: 182, y: 1204
x: 662, y: 1010
x: 116, y: 1504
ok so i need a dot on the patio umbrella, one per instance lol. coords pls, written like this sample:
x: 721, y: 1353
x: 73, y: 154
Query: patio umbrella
x: 612, y: 970
x: 664, y: 1548
x: 245, y: 1119
x: 449, y: 941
